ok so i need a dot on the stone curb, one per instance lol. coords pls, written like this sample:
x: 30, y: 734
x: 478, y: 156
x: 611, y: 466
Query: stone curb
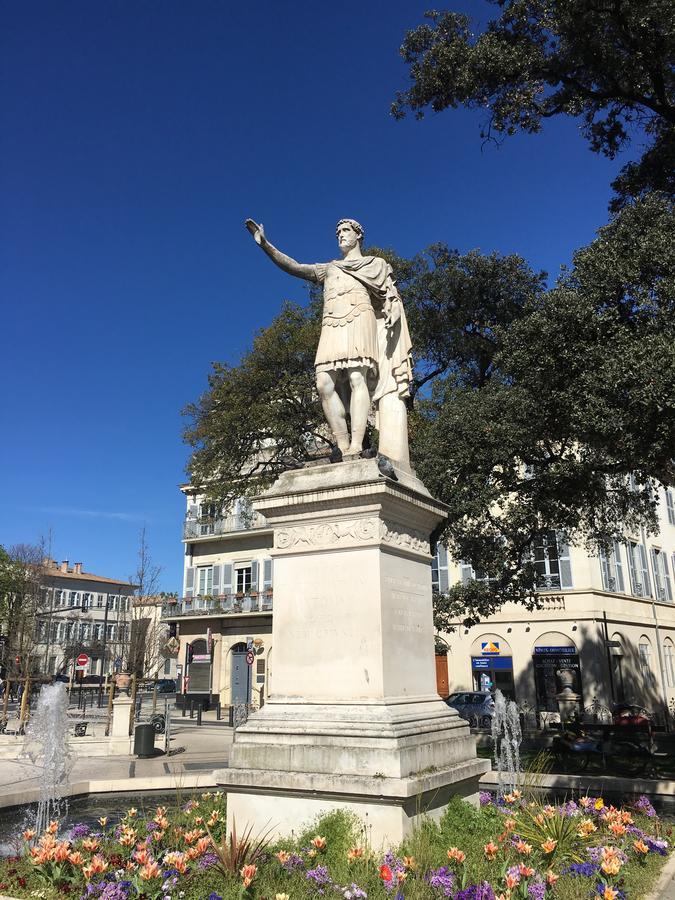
x: 665, y: 886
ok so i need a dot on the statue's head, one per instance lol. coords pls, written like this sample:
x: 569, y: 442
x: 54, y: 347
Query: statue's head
x: 349, y: 233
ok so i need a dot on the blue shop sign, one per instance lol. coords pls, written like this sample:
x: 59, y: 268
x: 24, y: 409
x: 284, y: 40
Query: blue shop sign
x: 555, y: 651
x: 498, y: 662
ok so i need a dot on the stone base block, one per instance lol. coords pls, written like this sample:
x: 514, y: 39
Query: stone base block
x: 283, y: 803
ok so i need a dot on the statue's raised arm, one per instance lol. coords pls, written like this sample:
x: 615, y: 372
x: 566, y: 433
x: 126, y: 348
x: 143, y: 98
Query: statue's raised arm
x: 287, y: 263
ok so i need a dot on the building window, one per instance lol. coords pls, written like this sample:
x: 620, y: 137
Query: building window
x: 551, y: 560
x: 73, y: 598
x: 439, y: 570
x: 612, y: 568
x: 668, y: 663
x: 645, y: 653
x: 205, y: 580
x: 637, y: 566
x: 98, y: 632
x: 167, y: 666
x: 662, y: 586
x: 670, y: 505
x: 207, y: 518
x: 244, y: 577
x: 99, y: 601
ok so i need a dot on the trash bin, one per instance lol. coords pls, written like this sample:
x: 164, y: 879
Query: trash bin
x: 144, y: 741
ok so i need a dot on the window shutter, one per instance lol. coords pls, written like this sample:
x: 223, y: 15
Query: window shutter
x: 466, y: 572
x: 658, y: 582
x: 267, y: 574
x: 630, y: 554
x: 227, y: 578
x: 619, y: 567
x: 666, y: 577
x: 604, y: 569
x: 189, y: 581
x: 646, y: 583
x: 442, y: 556
x: 670, y: 505
x: 254, y: 575
x: 564, y: 563
x: 216, y: 579
x: 193, y: 511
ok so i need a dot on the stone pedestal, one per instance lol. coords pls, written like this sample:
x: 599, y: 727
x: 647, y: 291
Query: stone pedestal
x: 353, y: 719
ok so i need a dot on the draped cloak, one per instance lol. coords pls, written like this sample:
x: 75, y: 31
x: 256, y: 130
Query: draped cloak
x: 357, y: 294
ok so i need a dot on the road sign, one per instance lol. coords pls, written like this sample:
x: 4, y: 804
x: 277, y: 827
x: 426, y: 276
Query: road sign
x: 82, y: 661
x: 250, y: 656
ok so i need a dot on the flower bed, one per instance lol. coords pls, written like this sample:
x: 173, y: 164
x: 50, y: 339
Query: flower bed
x: 505, y: 850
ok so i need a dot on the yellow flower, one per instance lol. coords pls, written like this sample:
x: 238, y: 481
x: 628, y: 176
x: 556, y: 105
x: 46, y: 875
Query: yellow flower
x: 599, y: 803
x: 281, y: 897
x: 103, y: 821
x: 132, y: 812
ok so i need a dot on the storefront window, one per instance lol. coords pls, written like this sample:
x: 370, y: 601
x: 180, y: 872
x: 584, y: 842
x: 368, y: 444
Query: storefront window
x: 557, y: 675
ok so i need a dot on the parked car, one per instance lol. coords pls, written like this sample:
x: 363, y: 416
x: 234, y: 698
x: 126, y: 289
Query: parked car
x: 474, y: 706
x: 166, y: 686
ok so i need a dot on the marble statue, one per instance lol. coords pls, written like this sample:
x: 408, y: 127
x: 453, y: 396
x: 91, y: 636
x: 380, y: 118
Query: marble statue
x: 364, y: 353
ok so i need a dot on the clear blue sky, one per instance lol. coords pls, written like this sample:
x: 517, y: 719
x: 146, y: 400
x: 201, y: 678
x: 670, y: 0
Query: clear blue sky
x: 135, y: 138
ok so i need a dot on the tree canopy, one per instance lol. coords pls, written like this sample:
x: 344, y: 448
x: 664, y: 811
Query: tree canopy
x: 608, y: 62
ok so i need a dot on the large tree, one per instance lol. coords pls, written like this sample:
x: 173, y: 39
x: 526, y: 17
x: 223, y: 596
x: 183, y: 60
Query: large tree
x: 529, y: 410
x: 608, y: 62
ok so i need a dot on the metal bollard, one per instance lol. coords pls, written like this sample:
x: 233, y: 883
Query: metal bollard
x: 218, y: 711
x: 184, y: 709
x: 199, y: 714
x: 192, y: 709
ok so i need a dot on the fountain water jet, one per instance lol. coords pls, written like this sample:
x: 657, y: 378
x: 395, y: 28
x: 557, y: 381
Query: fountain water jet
x: 47, y: 746
x: 506, y: 737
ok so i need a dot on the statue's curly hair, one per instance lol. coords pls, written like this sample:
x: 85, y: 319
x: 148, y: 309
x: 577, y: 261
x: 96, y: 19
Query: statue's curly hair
x: 361, y: 234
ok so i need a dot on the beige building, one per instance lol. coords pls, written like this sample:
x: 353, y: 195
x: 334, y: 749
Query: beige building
x: 605, y: 632
x: 223, y: 619
x: 82, y: 612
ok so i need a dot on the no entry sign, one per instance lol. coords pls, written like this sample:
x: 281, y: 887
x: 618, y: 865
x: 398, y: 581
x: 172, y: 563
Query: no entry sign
x: 250, y: 657
x: 82, y: 661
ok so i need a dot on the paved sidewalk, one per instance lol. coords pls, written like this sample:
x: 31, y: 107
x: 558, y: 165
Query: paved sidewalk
x: 194, y: 753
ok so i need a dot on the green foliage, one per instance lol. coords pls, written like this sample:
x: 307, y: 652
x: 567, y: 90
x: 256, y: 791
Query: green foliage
x: 261, y: 416
x: 608, y: 63
x: 238, y: 850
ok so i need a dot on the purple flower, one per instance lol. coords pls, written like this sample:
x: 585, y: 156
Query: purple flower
x: 151, y: 826
x: 657, y: 846
x: 644, y: 806
x: 484, y: 797
x: 536, y: 890
x: 586, y: 870
x: 214, y: 896
x: 482, y: 891
x: 293, y: 862
x: 208, y: 860
x: 319, y: 875
x: 569, y: 809
x: 442, y: 880
x: 79, y: 831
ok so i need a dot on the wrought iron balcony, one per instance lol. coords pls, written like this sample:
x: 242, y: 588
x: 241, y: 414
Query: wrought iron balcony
x: 222, y: 605
x: 196, y: 529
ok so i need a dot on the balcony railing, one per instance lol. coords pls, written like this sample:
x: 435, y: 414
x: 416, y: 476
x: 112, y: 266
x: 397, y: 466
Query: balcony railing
x: 223, y: 605
x: 204, y: 528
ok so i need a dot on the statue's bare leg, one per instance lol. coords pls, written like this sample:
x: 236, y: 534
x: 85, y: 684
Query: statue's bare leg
x: 359, y: 406
x: 333, y: 408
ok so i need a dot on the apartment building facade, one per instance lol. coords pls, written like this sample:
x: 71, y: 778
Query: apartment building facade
x: 605, y: 632
x: 222, y: 623
x: 84, y: 611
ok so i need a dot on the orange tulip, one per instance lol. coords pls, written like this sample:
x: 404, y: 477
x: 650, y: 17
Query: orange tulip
x: 28, y: 834
x: 549, y: 845
x: 283, y: 857
x: 318, y: 842
x: 491, y: 850
x: 640, y: 847
x: 150, y: 870
x: 76, y: 858
x: 525, y: 871
x: 457, y: 855
x: 524, y: 848
x: 551, y: 878
x: 354, y: 853
x: 91, y: 845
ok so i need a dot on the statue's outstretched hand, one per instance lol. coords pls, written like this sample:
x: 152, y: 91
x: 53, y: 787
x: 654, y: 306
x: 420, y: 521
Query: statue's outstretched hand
x: 257, y: 231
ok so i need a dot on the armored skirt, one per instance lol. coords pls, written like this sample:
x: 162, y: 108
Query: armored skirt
x: 349, y: 327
